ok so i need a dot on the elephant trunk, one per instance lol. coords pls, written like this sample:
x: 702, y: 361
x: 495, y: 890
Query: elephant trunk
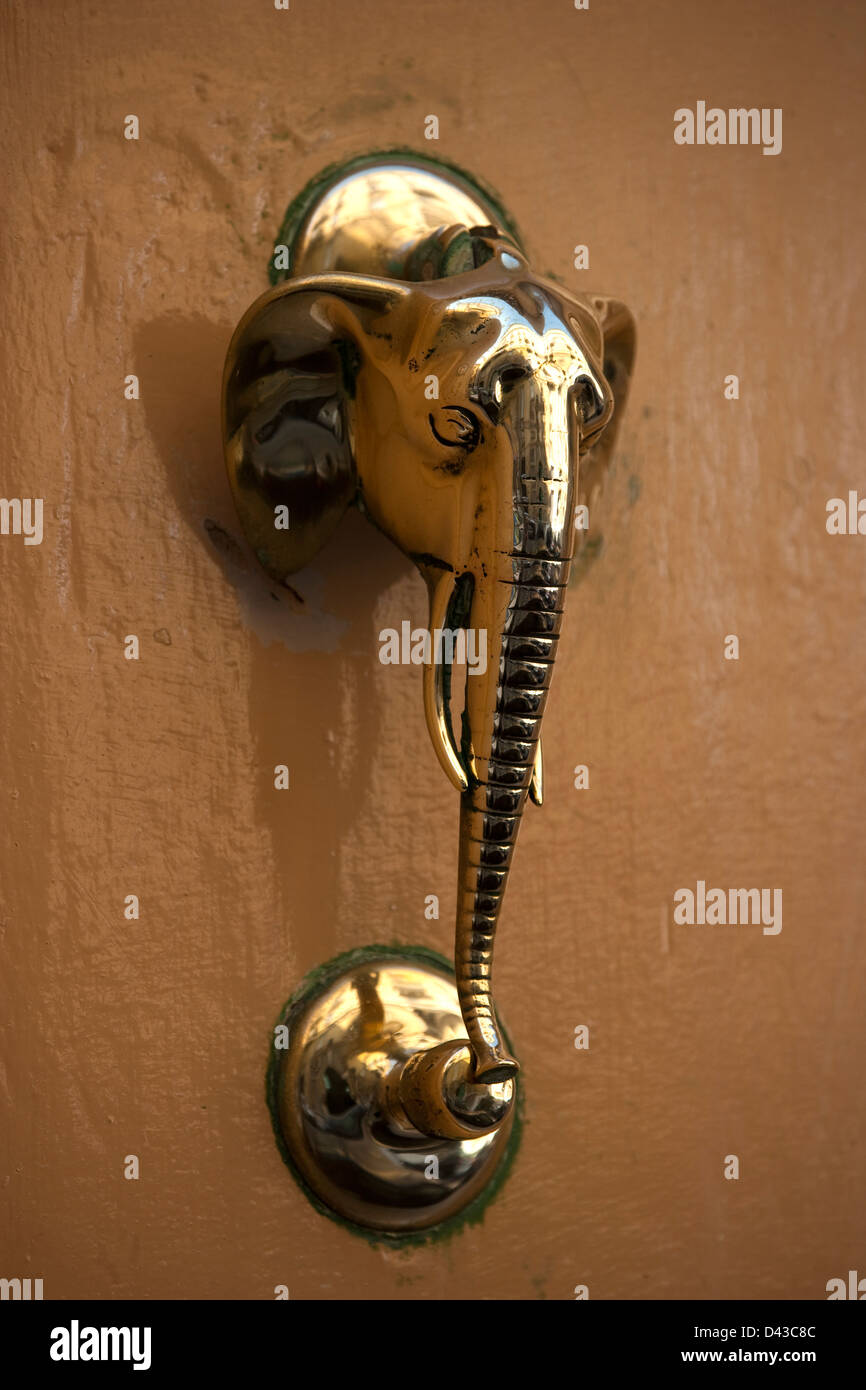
x: 524, y: 598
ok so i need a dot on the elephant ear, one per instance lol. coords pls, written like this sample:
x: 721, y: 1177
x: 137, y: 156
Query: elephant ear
x: 288, y: 385
x: 618, y: 349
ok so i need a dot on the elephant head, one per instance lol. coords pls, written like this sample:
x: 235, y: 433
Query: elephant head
x: 454, y: 412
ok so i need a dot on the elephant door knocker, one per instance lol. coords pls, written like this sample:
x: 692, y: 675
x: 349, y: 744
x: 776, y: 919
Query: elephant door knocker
x: 408, y: 361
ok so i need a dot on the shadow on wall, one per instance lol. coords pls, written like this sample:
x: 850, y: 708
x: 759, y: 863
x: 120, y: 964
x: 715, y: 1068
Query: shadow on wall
x: 312, y: 660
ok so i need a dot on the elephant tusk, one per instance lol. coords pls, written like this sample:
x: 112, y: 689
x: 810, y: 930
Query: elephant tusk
x: 435, y: 708
x: 536, y: 786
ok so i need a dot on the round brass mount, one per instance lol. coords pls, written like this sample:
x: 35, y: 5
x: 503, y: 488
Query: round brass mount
x: 340, y: 1112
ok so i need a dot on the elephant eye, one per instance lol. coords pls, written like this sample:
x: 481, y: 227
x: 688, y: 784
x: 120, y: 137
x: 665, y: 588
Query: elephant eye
x: 592, y: 406
x: 455, y: 427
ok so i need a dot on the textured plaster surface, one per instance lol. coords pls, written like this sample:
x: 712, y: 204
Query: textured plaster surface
x: 155, y: 777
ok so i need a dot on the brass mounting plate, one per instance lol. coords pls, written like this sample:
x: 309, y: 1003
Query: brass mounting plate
x: 369, y: 215
x: 343, y: 1039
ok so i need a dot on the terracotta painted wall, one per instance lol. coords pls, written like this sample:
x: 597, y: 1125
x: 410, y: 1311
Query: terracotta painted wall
x: 155, y: 777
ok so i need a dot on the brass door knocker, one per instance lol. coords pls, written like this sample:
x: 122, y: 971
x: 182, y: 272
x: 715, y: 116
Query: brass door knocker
x: 410, y: 362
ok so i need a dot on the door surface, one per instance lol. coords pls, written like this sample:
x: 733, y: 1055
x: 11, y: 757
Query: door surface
x: 152, y: 776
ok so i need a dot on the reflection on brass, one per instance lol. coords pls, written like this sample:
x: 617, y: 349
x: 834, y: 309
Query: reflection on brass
x: 346, y: 1106
x: 413, y: 365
